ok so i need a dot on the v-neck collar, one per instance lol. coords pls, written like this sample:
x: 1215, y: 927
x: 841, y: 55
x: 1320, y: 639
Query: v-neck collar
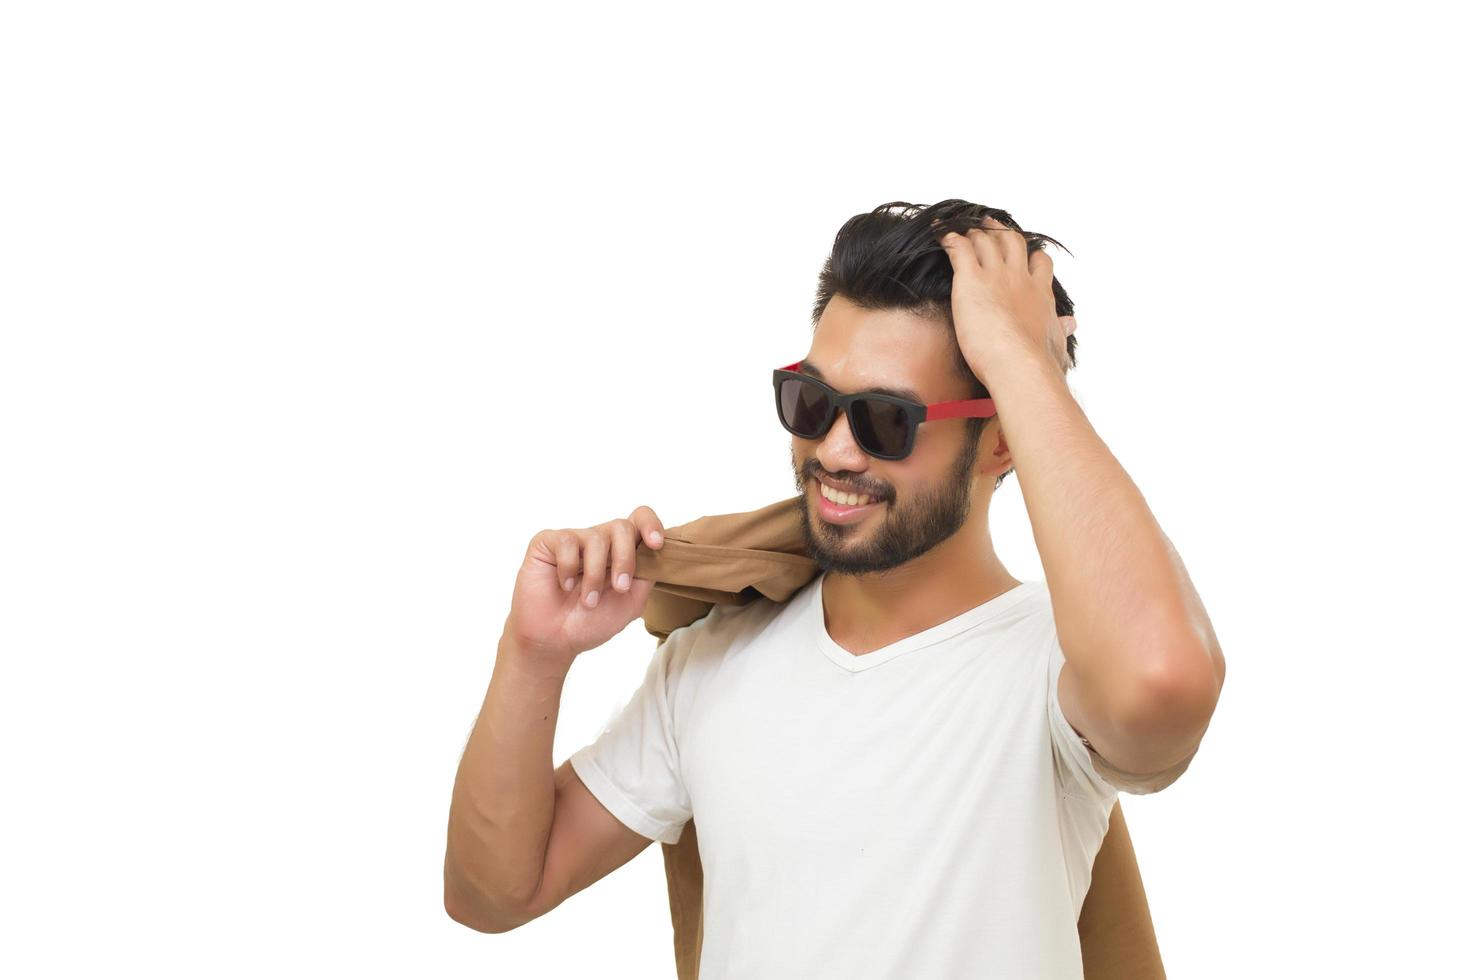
x: 928, y: 637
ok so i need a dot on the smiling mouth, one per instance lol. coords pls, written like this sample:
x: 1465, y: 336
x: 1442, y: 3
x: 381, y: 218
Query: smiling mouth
x: 853, y: 499
x: 843, y: 513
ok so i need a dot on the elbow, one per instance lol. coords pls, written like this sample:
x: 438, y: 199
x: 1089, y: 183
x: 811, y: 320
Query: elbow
x: 1182, y: 691
x: 479, y: 912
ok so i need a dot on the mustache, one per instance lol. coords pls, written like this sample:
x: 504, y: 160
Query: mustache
x: 875, y: 493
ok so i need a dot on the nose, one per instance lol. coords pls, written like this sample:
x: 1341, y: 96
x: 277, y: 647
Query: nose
x: 838, y: 451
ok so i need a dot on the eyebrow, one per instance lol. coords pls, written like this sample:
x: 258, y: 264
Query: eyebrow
x: 908, y: 393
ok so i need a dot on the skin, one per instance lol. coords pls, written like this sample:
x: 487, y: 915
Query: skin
x: 934, y: 518
x: 1143, y: 667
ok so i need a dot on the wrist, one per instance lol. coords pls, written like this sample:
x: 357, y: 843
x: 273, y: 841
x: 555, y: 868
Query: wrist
x: 532, y: 662
x: 1016, y: 362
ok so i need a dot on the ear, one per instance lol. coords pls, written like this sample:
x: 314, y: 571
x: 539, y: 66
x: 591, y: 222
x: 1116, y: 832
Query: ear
x: 999, y: 458
x: 1069, y: 325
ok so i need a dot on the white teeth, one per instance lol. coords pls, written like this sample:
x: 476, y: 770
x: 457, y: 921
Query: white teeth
x: 845, y: 499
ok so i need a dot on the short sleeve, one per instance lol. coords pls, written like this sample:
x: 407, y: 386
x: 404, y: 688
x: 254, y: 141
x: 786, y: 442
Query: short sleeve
x: 633, y: 765
x: 1081, y: 771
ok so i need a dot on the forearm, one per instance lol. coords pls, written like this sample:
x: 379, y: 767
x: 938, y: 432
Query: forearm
x: 504, y: 794
x: 1126, y: 611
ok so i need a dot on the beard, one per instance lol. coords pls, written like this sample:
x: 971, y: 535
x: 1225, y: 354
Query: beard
x: 908, y: 529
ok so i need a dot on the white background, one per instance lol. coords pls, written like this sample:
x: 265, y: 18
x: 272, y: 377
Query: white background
x: 314, y: 313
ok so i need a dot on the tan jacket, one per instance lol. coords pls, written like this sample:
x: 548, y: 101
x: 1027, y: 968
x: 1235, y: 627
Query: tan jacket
x: 734, y: 558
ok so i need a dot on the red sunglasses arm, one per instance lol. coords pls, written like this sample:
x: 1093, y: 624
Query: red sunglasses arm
x: 969, y: 408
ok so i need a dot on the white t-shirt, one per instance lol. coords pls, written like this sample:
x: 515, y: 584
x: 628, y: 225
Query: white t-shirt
x: 921, y: 810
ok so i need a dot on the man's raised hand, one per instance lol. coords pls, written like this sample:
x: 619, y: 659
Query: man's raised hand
x: 576, y: 588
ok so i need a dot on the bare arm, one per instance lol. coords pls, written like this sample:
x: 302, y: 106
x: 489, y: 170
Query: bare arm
x: 501, y: 810
x: 1144, y: 668
x: 522, y: 836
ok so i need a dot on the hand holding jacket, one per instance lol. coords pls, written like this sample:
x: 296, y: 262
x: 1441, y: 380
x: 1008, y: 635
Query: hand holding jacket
x: 578, y: 587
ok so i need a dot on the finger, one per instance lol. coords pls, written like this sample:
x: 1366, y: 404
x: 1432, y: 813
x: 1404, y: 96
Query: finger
x: 594, y: 564
x: 1040, y: 265
x: 1010, y: 244
x: 987, y: 249
x: 650, y: 528
x: 962, y: 257
x: 624, y: 535
x: 568, y: 559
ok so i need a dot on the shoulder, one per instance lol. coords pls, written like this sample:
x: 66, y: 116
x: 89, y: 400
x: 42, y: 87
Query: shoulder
x: 1027, y: 610
x: 724, y: 627
x: 1033, y: 624
x: 1037, y: 603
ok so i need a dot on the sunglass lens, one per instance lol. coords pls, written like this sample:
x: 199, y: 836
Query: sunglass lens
x: 804, y: 408
x: 880, y: 427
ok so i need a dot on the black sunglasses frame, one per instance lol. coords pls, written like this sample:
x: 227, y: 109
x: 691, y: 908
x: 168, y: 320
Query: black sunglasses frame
x: 916, y: 413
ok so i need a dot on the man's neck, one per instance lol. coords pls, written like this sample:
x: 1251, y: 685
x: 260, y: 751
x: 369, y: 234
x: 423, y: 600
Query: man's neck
x: 867, y: 612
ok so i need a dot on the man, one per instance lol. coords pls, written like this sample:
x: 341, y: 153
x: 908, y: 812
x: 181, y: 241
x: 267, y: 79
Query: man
x: 906, y: 769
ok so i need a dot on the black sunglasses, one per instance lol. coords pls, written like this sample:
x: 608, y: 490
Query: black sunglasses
x: 884, y: 426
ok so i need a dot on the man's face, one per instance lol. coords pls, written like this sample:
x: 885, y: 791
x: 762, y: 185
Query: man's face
x: 920, y: 500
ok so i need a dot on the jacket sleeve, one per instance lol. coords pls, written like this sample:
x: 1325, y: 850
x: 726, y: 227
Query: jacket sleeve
x: 633, y: 765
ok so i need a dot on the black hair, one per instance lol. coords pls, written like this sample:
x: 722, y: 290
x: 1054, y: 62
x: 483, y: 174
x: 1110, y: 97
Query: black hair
x: 890, y: 259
